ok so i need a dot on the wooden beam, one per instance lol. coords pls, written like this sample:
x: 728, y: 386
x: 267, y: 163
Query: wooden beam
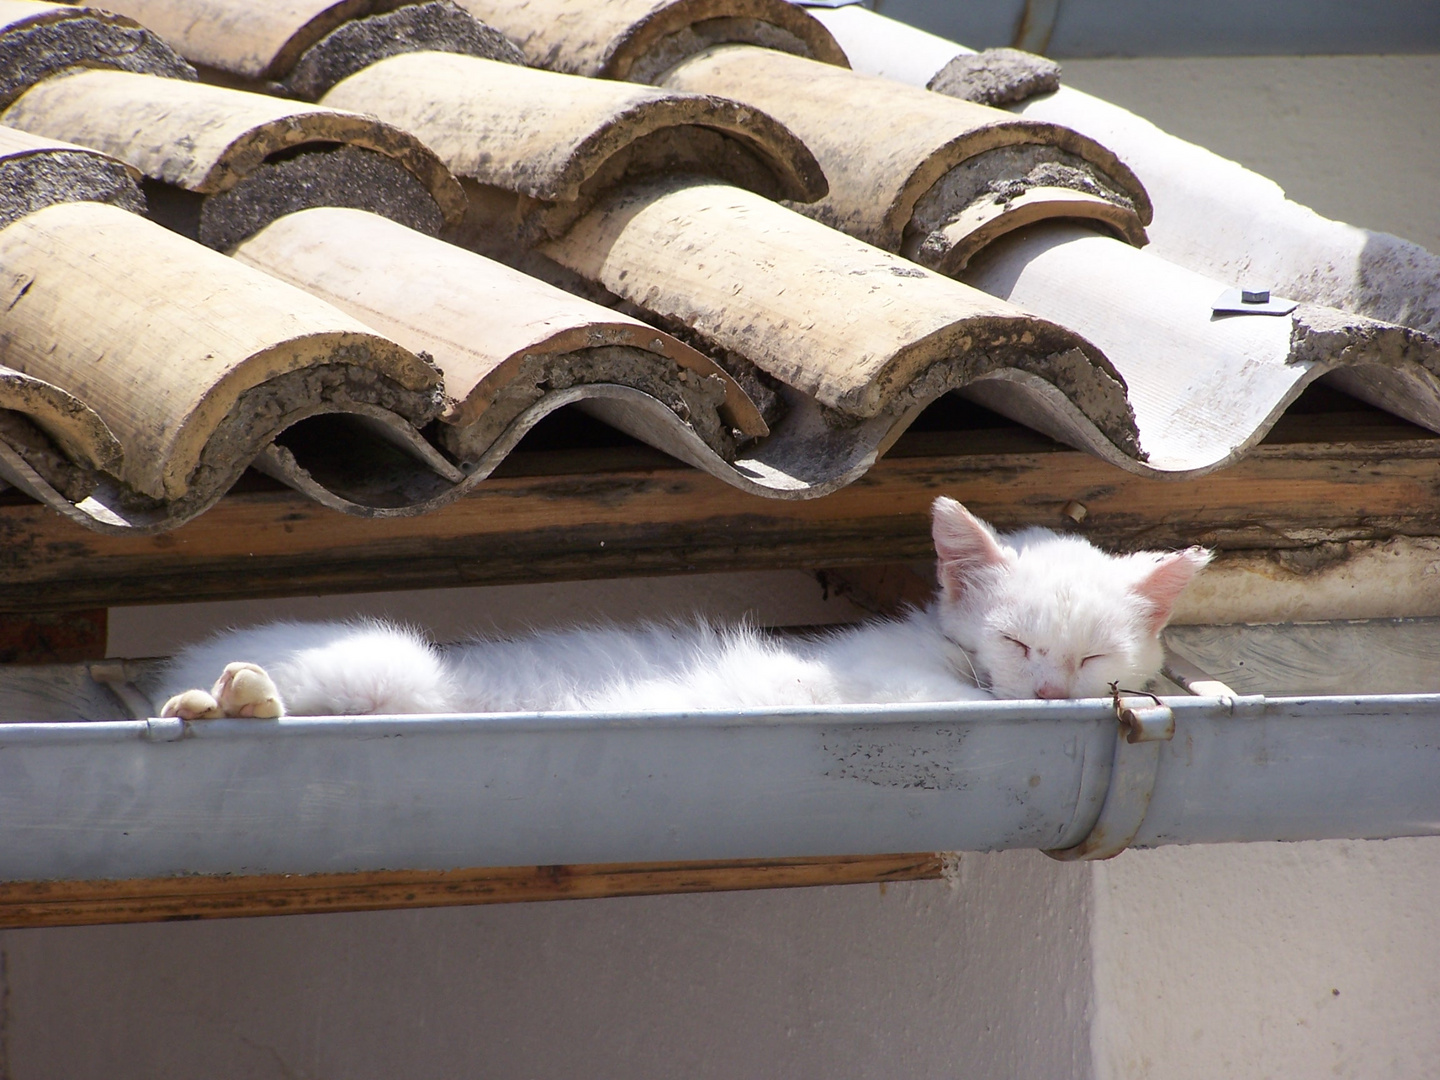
x: 53, y: 637
x: 75, y: 903
x: 556, y: 515
x: 882, y: 588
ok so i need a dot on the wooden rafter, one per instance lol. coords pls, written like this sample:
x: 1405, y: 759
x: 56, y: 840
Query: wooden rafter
x: 556, y: 515
x: 74, y: 903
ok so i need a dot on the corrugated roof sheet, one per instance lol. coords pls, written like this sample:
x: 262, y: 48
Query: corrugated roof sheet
x: 664, y: 203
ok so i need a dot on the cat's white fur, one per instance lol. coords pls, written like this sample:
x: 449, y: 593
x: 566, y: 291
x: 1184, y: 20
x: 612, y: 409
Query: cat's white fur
x: 1030, y: 614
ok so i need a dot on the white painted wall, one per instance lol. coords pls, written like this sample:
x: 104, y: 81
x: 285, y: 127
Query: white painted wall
x: 764, y: 597
x: 1195, y: 962
x: 1269, y: 960
x: 986, y: 978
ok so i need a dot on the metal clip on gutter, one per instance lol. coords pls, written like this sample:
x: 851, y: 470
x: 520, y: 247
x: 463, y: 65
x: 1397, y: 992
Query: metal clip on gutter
x: 1145, y: 728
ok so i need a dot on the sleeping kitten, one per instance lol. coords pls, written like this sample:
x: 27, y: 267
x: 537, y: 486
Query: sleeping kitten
x: 1030, y: 615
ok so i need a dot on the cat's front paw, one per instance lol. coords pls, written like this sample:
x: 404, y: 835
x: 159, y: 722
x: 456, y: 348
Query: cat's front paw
x: 247, y: 690
x: 243, y: 690
x: 193, y: 705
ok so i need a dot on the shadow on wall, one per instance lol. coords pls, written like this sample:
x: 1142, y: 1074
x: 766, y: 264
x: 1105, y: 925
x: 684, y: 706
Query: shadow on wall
x: 848, y: 981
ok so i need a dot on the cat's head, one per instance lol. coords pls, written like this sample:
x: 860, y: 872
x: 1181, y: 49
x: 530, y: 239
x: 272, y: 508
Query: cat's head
x: 1042, y: 615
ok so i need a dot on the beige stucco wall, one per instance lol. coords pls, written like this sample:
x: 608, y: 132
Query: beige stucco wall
x: 1225, y: 960
x: 1185, y: 962
x: 1269, y: 960
x: 1356, y: 138
x: 988, y: 977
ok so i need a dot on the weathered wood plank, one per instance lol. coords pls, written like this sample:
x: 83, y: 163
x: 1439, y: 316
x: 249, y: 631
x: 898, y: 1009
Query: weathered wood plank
x: 577, y: 515
x: 50, y: 637
x: 1380, y: 656
x: 74, y: 903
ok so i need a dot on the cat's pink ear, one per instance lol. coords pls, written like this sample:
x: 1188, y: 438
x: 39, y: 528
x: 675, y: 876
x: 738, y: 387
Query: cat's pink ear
x: 963, y: 545
x: 1163, y: 585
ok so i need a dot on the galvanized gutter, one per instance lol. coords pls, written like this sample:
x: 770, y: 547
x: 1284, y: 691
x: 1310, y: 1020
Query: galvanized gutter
x: 157, y: 798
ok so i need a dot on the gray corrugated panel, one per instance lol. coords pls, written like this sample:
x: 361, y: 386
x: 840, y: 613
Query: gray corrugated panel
x: 1205, y: 387
x: 1152, y: 319
x: 1218, y: 218
x: 125, y: 799
x: 1224, y: 28
x: 1213, y: 216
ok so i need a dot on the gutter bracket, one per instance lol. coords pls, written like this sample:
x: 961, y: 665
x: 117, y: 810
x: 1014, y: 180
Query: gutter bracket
x: 116, y: 678
x: 1140, y: 734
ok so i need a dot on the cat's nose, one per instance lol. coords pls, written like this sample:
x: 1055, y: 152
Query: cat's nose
x: 1050, y: 692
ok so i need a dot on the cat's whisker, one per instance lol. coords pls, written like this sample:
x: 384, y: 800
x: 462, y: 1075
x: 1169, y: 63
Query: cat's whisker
x: 974, y: 675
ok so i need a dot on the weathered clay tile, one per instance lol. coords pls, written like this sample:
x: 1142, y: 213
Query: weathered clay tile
x: 515, y: 347
x: 638, y: 39
x: 557, y: 141
x: 244, y: 158
x: 194, y: 362
x: 942, y: 183
x: 260, y: 38
x: 482, y: 119
x: 52, y: 445
x: 432, y: 26
x: 36, y: 172
x: 306, y: 46
x: 512, y: 348
x: 38, y: 39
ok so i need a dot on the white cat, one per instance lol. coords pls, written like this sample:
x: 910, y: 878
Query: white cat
x: 1030, y: 615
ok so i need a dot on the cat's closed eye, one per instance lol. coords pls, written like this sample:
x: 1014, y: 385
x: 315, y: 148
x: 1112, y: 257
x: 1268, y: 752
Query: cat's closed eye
x: 1093, y: 656
x: 1016, y: 641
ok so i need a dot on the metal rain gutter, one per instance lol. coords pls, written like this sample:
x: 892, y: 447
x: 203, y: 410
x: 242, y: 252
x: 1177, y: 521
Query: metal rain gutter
x: 157, y: 798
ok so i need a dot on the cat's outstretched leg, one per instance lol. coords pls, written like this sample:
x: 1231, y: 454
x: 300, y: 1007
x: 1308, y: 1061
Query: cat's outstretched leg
x: 243, y: 690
